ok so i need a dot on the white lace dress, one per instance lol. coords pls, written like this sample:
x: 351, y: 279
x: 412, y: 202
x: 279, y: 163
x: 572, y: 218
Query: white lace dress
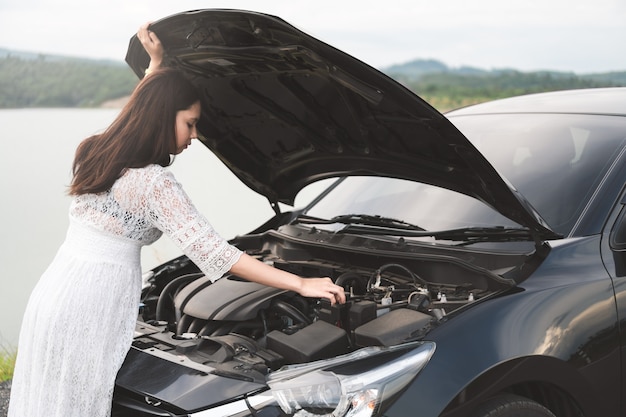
x: 80, y: 318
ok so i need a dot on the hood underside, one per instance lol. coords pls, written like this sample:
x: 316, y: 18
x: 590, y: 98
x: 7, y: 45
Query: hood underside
x: 282, y: 109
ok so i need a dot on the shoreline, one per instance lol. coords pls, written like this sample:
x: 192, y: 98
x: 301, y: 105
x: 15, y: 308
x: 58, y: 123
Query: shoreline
x: 115, y: 104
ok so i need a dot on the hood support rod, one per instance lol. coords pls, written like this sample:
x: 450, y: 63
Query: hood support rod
x: 274, y: 206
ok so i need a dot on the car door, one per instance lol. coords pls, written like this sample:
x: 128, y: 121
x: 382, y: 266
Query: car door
x: 614, y: 258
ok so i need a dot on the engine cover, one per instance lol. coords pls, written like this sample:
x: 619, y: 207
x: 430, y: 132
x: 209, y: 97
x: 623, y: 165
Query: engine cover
x: 228, y: 298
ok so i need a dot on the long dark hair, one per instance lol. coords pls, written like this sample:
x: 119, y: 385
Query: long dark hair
x: 143, y: 133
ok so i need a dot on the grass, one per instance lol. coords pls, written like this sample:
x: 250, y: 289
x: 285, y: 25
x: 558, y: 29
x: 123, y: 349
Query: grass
x: 7, y: 362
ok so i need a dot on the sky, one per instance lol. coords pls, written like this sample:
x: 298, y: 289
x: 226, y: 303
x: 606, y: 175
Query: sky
x: 580, y: 36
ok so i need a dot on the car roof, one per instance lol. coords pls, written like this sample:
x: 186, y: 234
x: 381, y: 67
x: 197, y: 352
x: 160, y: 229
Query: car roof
x: 608, y: 101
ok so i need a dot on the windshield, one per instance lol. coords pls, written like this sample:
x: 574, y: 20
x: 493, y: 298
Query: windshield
x: 429, y: 207
x: 555, y: 161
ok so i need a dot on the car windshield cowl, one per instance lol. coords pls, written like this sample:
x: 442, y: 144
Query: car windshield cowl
x: 465, y: 234
x: 497, y: 233
x: 360, y: 219
x: 379, y: 225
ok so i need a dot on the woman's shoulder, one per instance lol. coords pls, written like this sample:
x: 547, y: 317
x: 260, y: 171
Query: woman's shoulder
x: 146, y: 175
x: 149, y: 171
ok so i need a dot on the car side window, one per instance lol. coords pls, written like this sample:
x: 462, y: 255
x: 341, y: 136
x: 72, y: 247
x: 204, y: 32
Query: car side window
x: 618, y: 234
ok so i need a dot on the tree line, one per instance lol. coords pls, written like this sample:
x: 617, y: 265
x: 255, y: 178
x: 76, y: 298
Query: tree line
x: 446, y: 89
x: 45, y: 81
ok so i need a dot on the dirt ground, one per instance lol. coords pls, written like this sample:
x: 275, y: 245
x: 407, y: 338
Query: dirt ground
x: 5, y: 390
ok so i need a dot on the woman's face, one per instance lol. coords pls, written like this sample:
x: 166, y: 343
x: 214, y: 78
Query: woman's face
x: 186, y: 121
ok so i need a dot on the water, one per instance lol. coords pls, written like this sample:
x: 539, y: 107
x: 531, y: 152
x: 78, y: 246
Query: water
x: 38, y: 147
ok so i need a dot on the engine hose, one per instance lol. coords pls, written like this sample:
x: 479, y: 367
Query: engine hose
x: 209, y: 328
x: 348, y: 277
x: 264, y: 321
x: 165, y: 297
x: 380, y: 270
x: 196, y: 326
x: 291, y: 311
x: 301, y: 304
x: 223, y: 329
x: 182, y: 326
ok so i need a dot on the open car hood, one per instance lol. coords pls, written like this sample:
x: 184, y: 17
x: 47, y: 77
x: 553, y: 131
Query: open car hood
x: 282, y: 109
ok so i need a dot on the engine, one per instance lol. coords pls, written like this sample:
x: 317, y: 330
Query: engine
x: 266, y: 328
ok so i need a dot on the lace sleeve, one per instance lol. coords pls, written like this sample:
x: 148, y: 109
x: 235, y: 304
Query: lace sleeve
x: 171, y: 210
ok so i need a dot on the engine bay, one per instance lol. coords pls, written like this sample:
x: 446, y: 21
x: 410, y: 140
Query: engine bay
x: 247, y: 330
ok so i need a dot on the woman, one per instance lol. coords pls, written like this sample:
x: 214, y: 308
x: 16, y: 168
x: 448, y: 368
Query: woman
x: 80, y: 318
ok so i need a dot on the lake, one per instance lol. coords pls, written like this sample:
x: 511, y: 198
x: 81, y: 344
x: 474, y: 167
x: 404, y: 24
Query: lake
x: 39, y: 148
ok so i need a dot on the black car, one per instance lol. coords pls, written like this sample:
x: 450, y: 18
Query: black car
x: 482, y: 252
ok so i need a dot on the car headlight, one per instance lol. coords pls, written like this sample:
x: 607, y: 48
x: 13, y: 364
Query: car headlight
x: 322, y: 389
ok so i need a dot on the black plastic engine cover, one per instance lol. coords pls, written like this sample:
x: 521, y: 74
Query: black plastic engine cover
x: 228, y: 298
x: 392, y: 328
x: 315, y: 341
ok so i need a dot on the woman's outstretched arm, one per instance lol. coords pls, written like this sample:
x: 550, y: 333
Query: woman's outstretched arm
x: 254, y: 270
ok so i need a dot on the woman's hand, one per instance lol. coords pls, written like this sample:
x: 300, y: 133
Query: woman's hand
x: 322, y: 288
x: 152, y: 45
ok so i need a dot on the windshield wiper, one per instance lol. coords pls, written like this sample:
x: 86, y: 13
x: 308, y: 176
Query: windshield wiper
x: 378, y: 225
x: 361, y: 219
x: 464, y: 234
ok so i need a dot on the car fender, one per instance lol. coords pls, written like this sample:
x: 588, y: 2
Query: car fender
x: 525, y: 336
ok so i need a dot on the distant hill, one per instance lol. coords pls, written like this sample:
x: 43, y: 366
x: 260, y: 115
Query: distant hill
x: 615, y: 77
x: 416, y: 69
x: 446, y: 88
x: 38, y: 80
x: 4, y: 53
